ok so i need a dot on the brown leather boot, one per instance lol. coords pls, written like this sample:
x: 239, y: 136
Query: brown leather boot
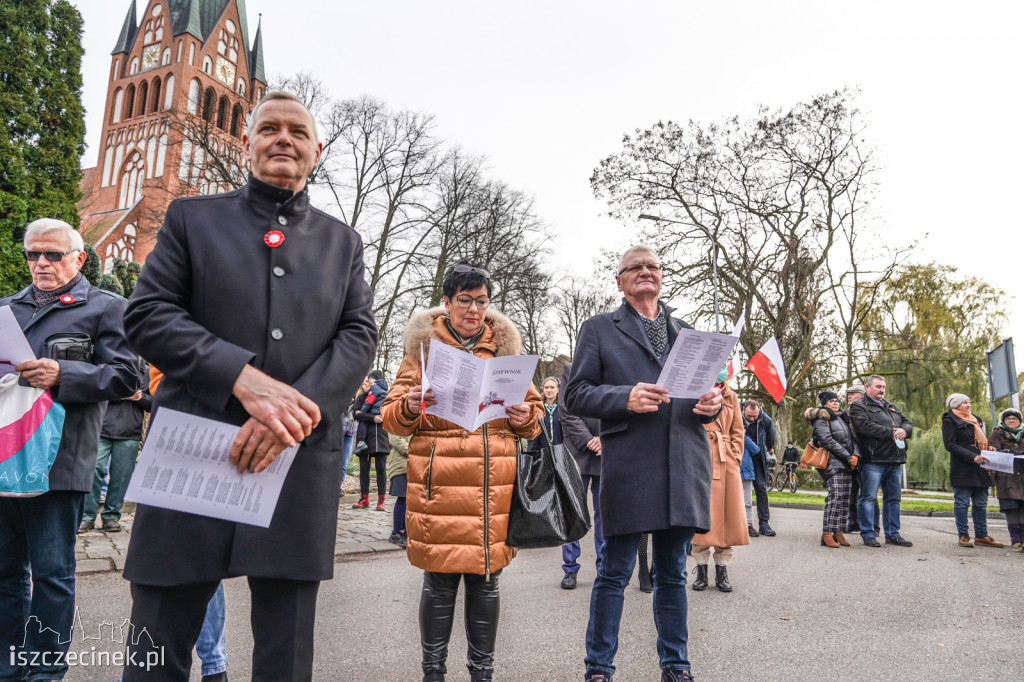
x: 827, y: 541
x: 841, y: 539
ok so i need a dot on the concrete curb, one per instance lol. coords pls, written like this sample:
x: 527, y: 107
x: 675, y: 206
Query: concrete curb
x: 903, y: 512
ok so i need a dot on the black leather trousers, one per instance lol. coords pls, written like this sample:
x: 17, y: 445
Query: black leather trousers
x: 437, y: 611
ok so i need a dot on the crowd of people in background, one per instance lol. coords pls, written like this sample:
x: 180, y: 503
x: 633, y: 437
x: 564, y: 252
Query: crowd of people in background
x: 674, y: 475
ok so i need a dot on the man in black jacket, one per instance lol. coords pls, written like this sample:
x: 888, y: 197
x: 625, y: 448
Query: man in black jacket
x: 119, y: 448
x: 882, y: 432
x: 580, y: 437
x: 256, y: 308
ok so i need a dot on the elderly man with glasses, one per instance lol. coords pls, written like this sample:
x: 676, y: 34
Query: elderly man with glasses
x: 76, y: 333
x: 655, y: 461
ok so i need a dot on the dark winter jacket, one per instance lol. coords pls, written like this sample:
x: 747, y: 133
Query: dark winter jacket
x: 372, y: 433
x: 958, y: 437
x: 832, y: 431
x: 123, y: 420
x: 92, y: 315
x: 1008, y: 486
x: 655, y: 466
x: 872, y: 426
x: 550, y: 429
x: 762, y: 432
x: 577, y: 432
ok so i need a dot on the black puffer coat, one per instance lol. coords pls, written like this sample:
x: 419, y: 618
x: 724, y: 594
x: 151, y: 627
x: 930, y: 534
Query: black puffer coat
x: 958, y: 437
x: 832, y: 431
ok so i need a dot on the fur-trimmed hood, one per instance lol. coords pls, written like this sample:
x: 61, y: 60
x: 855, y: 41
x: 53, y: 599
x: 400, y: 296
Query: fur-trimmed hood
x: 424, y: 325
x: 813, y: 413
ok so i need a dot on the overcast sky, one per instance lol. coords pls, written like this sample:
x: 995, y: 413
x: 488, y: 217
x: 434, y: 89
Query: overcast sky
x: 547, y: 89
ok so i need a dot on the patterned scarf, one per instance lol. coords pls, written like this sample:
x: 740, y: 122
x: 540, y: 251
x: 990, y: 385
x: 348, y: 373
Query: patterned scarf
x: 44, y: 298
x: 657, y: 329
x: 980, y: 441
x: 470, y: 343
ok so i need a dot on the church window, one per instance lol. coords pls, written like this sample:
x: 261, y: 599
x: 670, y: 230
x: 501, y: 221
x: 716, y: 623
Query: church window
x: 222, y: 108
x: 169, y: 96
x: 156, y: 96
x: 134, y: 68
x: 230, y: 25
x: 208, y: 99
x: 236, y: 121
x: 143, y: 96
x: 165, y: 59
x: 191, y: 53
x: 131, y: 180
x: 129, y: 102
x: 193, y: 97
x: 180, y: 44
x: 207, y: 65
x: 241, y: 87
x: 115, y: 111
x: 117, y: 70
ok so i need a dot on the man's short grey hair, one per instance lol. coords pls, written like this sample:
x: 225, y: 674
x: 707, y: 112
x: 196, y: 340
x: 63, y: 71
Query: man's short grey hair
x: 872, y: 379
x: 281, y: 94
x: 634, y: 249
x: 37, y: 228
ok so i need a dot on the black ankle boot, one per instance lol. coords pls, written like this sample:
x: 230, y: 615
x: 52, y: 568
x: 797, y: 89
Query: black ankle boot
x: 701, y: 583
x: 722, y: 579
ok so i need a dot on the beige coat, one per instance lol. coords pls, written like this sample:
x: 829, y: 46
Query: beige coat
x: 460, y: 483
x: 728, y: 516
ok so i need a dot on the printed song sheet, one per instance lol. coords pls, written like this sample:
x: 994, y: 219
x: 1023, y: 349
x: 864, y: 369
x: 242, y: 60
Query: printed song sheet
x: 184, y: 466
x: 471, y: 391
x: 998, y: 461
x: 14, y: 348
x: 695, y: 360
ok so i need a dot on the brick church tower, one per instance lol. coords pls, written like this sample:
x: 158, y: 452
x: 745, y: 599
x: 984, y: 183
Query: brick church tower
x: 182, y: 81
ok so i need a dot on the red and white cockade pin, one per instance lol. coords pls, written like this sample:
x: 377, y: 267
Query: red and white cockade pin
x: 273, y: 239
x: 67, y: 298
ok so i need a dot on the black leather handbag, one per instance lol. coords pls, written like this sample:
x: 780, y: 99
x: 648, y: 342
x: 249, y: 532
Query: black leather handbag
x: 549, y: 506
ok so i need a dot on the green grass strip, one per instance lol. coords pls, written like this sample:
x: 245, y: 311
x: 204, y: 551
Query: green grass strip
x: 784, y: 498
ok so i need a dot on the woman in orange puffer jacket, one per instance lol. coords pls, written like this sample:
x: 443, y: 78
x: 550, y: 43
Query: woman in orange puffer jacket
x: 460, y: 483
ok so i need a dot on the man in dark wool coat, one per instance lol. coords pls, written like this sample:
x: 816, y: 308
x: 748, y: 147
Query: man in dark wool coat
x: 255, y: 307
x: 655, y: 461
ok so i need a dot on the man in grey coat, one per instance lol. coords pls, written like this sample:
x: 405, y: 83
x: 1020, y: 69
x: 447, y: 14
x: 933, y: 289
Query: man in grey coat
x: 255, y: 307
x: 75, y: 331
x: 655, y: 461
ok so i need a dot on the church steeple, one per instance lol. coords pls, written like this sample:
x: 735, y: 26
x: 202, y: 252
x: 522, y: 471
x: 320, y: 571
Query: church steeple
x: 256, y: 56
x: 128, y: 31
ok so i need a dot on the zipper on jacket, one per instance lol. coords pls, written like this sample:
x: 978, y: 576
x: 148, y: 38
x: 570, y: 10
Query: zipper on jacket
x: 487, y: 536
x: 430, y: 467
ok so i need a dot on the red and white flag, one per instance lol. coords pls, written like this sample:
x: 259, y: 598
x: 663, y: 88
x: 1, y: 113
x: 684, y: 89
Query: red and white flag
x: 767, y: 366
x: 734, y: 365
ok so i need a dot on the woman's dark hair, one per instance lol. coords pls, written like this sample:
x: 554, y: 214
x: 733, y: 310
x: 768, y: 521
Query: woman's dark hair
x: 465, y: 276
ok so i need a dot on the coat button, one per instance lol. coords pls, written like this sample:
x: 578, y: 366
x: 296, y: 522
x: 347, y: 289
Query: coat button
x: 276, y: 334
x: 282, y: 220
x: 279, y: 271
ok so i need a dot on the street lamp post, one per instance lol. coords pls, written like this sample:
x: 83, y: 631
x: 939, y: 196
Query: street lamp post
x: 714, y: 254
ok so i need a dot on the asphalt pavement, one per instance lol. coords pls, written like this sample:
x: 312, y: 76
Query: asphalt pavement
x: 799, y: 611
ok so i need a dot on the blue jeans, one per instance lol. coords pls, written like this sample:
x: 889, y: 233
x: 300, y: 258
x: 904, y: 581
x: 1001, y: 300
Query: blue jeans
x: 873, y: 476
x: 37, y: 610
x: 976, y: 498
x: 618, y: 558
x: 212, y: 645
x: 571, y: 551
x: 120, y: 456
x: 346, y: 454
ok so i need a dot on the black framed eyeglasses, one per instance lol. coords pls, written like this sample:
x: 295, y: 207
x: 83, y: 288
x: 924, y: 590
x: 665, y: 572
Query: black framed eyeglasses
x: 467, y: 302
x: 470, y: 268
x: 52, y: 256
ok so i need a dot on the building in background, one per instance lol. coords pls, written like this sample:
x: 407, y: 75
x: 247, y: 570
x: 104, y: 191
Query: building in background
x: 183, y: 78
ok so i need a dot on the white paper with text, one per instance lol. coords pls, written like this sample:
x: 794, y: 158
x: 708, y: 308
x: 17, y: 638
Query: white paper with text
x: 184, y: 466
x: 998, y: 461
x: 14, y: 347
x: 696, y: 358
x: 471, y: 391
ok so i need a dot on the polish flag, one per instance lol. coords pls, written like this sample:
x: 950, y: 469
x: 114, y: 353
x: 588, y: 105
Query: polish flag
x: 767, y: 366
x: 734, y: 365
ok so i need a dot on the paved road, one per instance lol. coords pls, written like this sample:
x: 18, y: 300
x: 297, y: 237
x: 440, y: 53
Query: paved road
x: 799, y: 612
